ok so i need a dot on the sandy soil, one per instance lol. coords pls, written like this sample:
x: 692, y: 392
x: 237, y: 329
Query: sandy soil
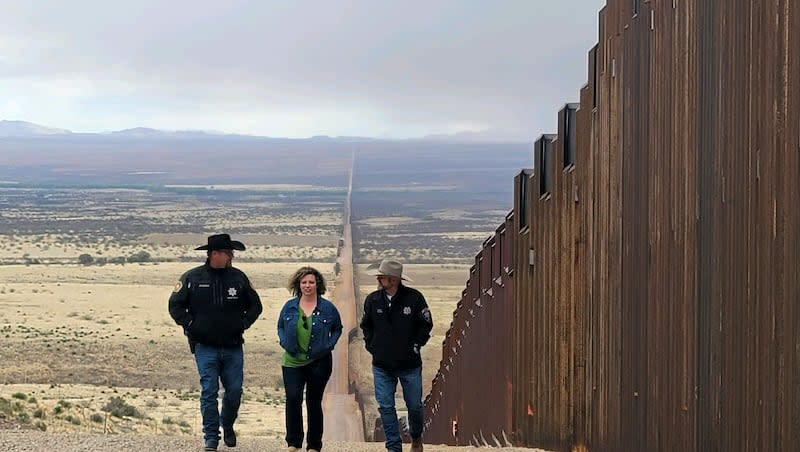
x: 36, y: 441
x: 84, y: 334
x: 49, y: 248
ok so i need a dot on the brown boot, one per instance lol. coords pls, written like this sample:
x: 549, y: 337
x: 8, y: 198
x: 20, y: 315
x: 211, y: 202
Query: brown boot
x: 416, y: 445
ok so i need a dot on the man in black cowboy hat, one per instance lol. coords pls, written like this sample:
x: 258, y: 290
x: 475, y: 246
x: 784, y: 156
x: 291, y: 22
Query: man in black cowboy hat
x: 396, y: 324
x: 215, y: 303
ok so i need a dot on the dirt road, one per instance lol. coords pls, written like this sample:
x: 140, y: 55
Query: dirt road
x: 343, y: 420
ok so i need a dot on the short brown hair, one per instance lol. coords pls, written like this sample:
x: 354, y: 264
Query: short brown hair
x: 294, y: 280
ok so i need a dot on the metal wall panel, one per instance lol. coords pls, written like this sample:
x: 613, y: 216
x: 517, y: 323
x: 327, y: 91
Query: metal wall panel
x: 655, y: 290
x: 469, y: 398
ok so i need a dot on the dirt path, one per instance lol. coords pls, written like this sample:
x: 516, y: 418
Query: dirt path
x: 35, y: 441
x: 343, y: 420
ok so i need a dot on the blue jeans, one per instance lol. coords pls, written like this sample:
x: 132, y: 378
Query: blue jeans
x: 313, y: 377
x: 215, y: 364
x: 385, y: 387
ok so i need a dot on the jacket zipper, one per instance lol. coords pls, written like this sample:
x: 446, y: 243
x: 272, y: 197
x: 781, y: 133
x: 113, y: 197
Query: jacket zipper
x: 216, y: 291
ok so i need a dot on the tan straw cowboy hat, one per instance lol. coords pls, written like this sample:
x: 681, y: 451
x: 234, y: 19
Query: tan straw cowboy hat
x: 388, y: 268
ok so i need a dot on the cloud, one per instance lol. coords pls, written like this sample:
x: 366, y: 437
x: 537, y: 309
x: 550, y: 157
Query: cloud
x: 299, y: 68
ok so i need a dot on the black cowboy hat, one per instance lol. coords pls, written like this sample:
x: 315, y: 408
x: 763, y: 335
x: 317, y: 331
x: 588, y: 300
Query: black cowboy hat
x: 221, y: 242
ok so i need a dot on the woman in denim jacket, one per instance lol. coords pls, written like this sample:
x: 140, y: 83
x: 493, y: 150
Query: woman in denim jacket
x: 308, y: 328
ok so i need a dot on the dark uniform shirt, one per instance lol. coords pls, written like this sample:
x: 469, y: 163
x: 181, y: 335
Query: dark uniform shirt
x: 214, y: 305
x: 395, y: 331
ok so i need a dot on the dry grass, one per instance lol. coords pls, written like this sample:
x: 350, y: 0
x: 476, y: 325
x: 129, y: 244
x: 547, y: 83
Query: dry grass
x: 85, y: 333
x: 80, y: 408
x: 307, y: 244
x: 106, y: 327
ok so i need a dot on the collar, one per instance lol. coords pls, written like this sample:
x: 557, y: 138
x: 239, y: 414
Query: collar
x: 295, y: 302
x: 216, y: 271
x: 396, y: 293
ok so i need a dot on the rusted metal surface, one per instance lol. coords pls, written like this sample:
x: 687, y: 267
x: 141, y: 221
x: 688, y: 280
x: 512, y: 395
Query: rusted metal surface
x: 655, y: 290
x: 469, y: 402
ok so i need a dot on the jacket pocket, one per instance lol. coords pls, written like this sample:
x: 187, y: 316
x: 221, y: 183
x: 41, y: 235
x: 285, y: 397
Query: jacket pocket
x: 288, y: 339
x: 198, y: 329
x: 327, y: 331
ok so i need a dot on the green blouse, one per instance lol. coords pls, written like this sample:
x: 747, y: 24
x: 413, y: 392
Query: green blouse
x: 303, y: 338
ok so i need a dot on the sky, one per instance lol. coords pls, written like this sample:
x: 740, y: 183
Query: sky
x: 280, y: 68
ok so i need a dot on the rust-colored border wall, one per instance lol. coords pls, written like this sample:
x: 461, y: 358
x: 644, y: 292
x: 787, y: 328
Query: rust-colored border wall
x: 654, y: 289
x: 469, y: 402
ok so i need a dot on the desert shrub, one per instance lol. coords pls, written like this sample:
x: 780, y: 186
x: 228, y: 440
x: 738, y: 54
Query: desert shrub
x: 41, y: 426
x: 5, y: 406
x: 141, y: 256
x: 73, y: 420
x: 96, y: 417
x: 85, y: 259
x: 65, y: 404
x: 167, y: 420
x: 19, y: 395
x: 31, y: 399
x: 185, y: 395
x: 39, y: 413
x: 117, y: 407
x: 58, y: 409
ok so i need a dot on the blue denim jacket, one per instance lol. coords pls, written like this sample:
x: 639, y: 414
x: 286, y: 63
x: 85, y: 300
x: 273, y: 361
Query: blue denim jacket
x: 326, y: 327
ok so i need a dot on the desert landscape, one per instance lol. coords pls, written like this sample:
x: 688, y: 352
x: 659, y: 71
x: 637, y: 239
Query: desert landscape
x: 76, y: 336
x: 87, y: 337
x: 88, y: 345
x: 86, y: 268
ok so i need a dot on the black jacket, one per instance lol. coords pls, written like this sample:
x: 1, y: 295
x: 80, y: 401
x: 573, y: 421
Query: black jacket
x: 394, y: 335
x: 214, y: 305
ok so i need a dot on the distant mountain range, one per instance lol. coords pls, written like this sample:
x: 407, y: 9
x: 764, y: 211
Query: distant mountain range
x: 27, y: 129
x: 24, y: 129
x: 148, y: 132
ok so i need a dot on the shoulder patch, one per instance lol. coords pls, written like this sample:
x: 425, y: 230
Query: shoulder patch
x: 426, y: 314
x: 178, y: 287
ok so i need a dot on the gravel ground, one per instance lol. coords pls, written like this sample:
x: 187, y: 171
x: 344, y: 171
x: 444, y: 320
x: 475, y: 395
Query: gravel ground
x: 30, y: 441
